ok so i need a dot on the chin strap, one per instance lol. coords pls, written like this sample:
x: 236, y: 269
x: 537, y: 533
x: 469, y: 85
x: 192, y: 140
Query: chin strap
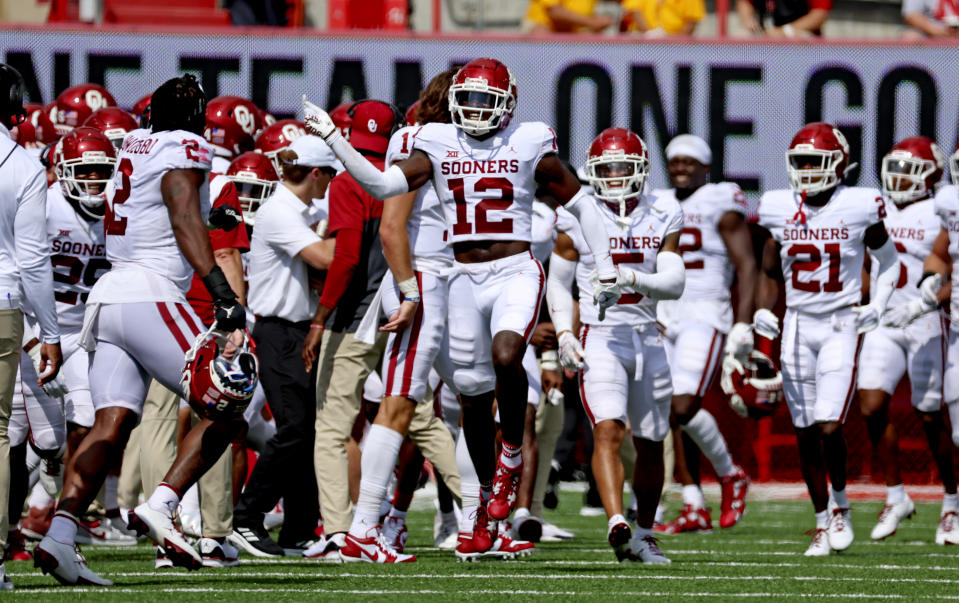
x: 800, y: 216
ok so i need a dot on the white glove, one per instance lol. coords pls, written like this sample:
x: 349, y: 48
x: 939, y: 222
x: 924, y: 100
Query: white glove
x: 730, y: 366
x: 54, y: 388
x: 929, y: 288
x: 318, y: 122
x: 570, y: 352
x: 901, y: 316
x: 867, y: 317
x: 605, y: 295
x: 739, y: 342
x: 766, y: 324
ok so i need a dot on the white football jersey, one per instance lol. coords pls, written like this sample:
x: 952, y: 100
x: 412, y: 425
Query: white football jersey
x: 822, y: 259
x: 139, y: 238
x: 426, y: 226
x: 78, y: 255
x: 913, y: 229
x: 635, y: 247
x: 709, y: 273
x: 947, y: 208
x: 486, y: 186
x: 543, y: 231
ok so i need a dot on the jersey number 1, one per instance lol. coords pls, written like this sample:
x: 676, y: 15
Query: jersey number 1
x: 483, y: 226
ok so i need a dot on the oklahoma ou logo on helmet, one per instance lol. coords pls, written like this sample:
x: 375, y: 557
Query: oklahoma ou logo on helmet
x: 292, y: 131
x: 95, y: 100
x: 244, y: 118
x: 371, y: 125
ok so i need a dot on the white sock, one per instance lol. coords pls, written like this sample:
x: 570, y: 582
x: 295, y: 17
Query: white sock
x: 110, y: 492
x: 693, y: 497
x: 615, y: 519
x: 511, y: 457
x: 704, y: 430
x: 954, y: 419
x: 950, y: 502
x: 190, y: 504
x: 164, y: 499
x: 822, y: 520
x: 642, y: 532
x: 397, y: 514
x: 39, y: 497
x: 895, y: 494
x: 469, y: 485
x: 63, y: 528
x: 839, y: 497
x: 383, y: 446
x: 660, y: 512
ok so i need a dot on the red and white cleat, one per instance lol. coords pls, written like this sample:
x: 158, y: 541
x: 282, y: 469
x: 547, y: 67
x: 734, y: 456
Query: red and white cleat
x: 512, y: 548
x: 689, y: 520
x: 372, y: 549
x: 505, y: 487
x: 144, y: 520
x: 948, y: 530
x: 466, y: 551
x: 482, y: 539
x: 619, y: 536
x: 733, y: 505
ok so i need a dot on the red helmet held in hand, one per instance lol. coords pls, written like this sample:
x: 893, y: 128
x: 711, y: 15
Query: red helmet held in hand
x: 77, y: 103
x: 755, y: 388
x: 817, y: 158
x: 219, y: 377
x: 255, y: 178
x: 482, y: 97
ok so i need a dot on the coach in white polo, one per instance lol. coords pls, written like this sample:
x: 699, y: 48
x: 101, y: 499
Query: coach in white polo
x: 283, y: 247
x: 26, y: 275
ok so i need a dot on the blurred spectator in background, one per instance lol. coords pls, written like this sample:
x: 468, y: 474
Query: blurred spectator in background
x: 930, y: 19
x: 257, y: 12
x: 565, y: 16
x: 656, y: 18
x: 790, y: 18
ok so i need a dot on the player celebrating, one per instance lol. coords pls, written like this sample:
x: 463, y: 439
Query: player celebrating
x: 820, y: 231
x: 625, y: 373
x: 485, y: 169
x: 142, y: 325
x: 912, y: 336
x: 714, y: 242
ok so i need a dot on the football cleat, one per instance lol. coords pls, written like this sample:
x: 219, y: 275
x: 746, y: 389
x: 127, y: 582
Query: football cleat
x: 948, y: 530
x: 144, y: 520
x: 689, y: 520
x: 5, y: 583
x: 645, y: 549
x: 218, y: 554
x: 552, y: 533
x: 465, y: 551
x: 890, y: 516
x: 395, y: 532
x: 482, y: 540
x: 162, y: 561
x: 840, y: 529
x: 508, y: 548
x: 16, y: 549
x: 255, y: 540
x: 326, y: 549
x: 733, y: 504
x: 526, y: 527
x: 65, y: 563
x: 102, y: 533
x: 619, y: 536
x: 372, y: 549
x: 35, y: 525
x: 505, y: 487
x: 445, y: 529
x: 819, y: 547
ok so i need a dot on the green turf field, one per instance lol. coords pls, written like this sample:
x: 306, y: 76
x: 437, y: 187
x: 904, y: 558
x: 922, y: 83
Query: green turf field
x: 759, y: 558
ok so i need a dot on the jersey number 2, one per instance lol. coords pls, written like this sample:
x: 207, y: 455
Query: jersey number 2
x: 483, y: 226
x: 111, y: 224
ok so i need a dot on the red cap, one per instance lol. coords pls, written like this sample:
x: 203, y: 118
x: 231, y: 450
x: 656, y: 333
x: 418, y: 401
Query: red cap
x: 373, y: 124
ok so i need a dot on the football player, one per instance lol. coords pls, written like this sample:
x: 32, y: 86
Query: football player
x: 912, y: 337
x: 938, y: 267
x: 114, y: 122
x: 231, y: 126
x: 485, y: 169
x: 138, y: 317
x: 75, y: 104
x: 625, y: 373
x: 278, y: 136
x: 715, y: 245
x: 820, y: 231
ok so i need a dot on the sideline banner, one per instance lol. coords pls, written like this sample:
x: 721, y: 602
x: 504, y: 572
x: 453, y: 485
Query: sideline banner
x: 745, y: 99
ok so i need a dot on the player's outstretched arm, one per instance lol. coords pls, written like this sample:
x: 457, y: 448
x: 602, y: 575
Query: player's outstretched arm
x: 559, y: 298
x: 668, y: 281
x: 396, y: 248
x: 765, y: 323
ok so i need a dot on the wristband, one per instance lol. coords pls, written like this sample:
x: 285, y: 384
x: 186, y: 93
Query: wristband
x: 410, y: 289
x: 549, y: 360
x: 216, y: 283
x: 314, y: 325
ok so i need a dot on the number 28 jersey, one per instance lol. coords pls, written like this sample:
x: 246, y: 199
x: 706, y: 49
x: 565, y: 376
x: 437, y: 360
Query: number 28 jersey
x: 139, y: 237
x: 486, y: 186
x: 822, y: 259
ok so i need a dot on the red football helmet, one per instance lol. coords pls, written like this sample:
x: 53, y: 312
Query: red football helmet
x: 482, y: 97
x: 342, y: 118
x: 754, y: 389
x: 617, y: 167
x: 911, y: 169
x: 141, y: 110
x: 219, y: 377
x: 277, y: 137
x: 411, y: 114
x: 255, y: 178
x: 77, y: 103
x: 231, y: 123
x: 114, y: 122
x: 817, y: 158
x: 37, y: 130
x: 84, y: 161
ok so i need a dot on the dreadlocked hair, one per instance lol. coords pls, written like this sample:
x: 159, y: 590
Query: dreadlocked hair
x: 179, y: 104
x: 434, y: 99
